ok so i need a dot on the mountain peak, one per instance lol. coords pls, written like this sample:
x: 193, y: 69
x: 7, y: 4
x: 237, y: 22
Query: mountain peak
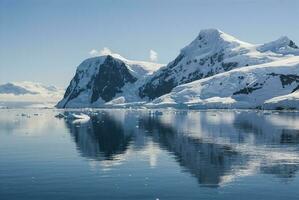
x: 285, y: 41
x: 216, y: 34
x: 137, y: 68
x: 210, y: 31
x: 213, y: 40
x: 282, y: 45
x: 114, y: 55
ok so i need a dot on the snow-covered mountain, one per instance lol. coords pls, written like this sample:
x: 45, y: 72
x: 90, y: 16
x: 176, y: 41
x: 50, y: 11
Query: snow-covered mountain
x: 283, y: 46
x: 213, y: 52
x: 215, y: 70
x: 257, y: 86
x: 106, y: 78
x: 29, y: 92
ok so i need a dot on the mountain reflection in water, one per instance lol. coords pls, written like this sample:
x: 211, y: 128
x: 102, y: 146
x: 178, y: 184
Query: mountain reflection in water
x: 215, y: 147
x: 101, y: 138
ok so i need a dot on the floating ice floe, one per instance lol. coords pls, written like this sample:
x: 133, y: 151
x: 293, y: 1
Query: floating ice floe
x: 78, y: 118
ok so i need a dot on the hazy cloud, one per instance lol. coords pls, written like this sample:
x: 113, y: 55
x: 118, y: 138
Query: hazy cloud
x: 153, y: 56
x: 94, y: 52
x: 105, y: 51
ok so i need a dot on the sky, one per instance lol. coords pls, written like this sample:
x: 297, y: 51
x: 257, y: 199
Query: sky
x: 45, y: 40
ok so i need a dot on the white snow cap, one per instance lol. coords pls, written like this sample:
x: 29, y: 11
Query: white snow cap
x: 282, y: 45
x: 108, y: 52
x: 212, y: 39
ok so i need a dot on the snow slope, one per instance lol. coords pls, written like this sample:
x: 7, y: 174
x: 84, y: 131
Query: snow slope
x: 247, y: 87
x: 25, y: 92
x: 288, y: 101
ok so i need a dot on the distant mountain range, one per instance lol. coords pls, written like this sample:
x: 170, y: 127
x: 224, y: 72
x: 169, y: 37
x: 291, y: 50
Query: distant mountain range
x: 215, y: 70
x: 28, y: 93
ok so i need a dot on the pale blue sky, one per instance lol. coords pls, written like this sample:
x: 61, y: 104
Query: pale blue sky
x: 45, y: 40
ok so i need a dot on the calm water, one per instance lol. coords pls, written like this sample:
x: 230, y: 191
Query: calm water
x: 138, y: 154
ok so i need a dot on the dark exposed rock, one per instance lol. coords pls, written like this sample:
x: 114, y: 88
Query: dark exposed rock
x: 194, y: 76
x: 73, y: 90
x: 286, y: 79
x: 229, y: 66
x: 295, y: 89
x: 293, y: 45
x: 69, y: 88
x: 111, y: 77
x: 159, y: 85
x: 256, y: 84
x: 220, y: 57
x: 246, y: 90
x: 176, y: 61
x: 202, y: 61
x: 153, y: 91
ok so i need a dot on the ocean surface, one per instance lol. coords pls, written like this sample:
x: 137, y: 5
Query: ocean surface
x: 149, y: 154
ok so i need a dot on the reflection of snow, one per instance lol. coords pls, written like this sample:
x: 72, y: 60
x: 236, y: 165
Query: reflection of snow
x: 259, y: 157
x: 215, y: 147
x: 149, y: 153
x: 239, y: 172
x: 255, y: 138
x: 107, y: 165
x: 79, y: 118
x: 285, y: 120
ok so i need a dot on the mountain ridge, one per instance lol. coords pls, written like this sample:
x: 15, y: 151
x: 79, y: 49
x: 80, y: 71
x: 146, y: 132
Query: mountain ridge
x: 211, y: 53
